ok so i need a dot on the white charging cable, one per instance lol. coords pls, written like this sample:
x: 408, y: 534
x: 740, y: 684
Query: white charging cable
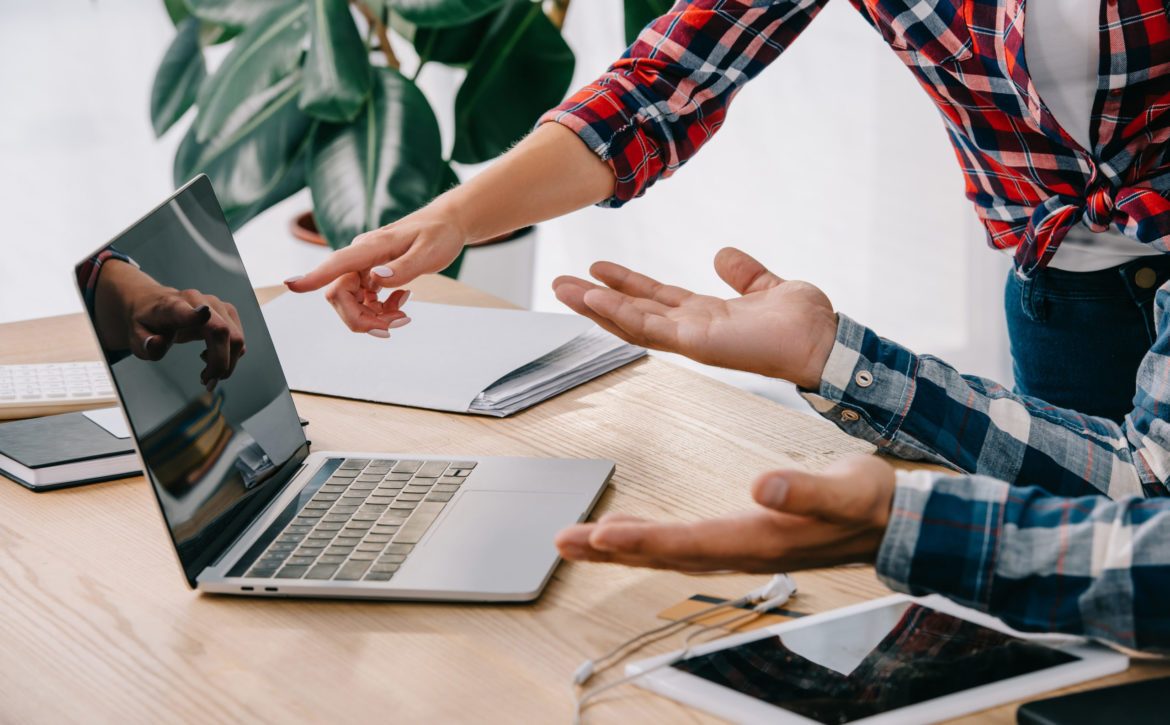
x: 773, y: 594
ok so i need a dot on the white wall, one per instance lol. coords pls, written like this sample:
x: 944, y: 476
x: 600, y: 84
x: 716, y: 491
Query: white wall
x: 832, y: 167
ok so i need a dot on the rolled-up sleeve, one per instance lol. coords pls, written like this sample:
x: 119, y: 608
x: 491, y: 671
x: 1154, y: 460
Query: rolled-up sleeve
x: 669, y: 92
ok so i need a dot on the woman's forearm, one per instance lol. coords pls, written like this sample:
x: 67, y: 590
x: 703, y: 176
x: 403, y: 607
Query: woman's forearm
x: 550, y: 173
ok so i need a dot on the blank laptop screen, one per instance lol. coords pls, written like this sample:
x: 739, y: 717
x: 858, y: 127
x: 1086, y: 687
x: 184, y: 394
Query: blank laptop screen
x: 214, y: 457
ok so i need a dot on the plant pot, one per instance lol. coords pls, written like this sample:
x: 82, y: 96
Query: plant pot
x: 305, y: 229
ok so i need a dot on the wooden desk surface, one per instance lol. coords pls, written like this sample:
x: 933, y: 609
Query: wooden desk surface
x: 97, y: 624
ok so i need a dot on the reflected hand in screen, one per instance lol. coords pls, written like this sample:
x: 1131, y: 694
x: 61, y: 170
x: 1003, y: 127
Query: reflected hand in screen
x: 136, y: 313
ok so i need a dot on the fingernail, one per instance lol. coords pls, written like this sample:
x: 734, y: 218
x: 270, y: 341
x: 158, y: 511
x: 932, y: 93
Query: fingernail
x: 146, y: 343
x: 294, y: 278
x: 773, y: 492
x: 399, y: 322
x: 211, y: 384
x: 203, y: 312
x: 405, y: 297
x: 383, y: 271
x: 381, y: 333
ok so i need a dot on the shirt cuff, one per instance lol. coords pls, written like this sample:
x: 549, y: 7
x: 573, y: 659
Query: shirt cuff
x: 867, y: 385
x: 896, y: 553
x: 607, y: 128
x: 943, y: 536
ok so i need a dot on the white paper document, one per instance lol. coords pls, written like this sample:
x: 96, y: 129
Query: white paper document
x: 445, y: 359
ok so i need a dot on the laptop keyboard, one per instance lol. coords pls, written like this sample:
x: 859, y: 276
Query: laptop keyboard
x: 363, y: 522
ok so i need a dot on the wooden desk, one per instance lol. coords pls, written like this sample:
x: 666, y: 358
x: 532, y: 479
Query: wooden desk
x: 97, y: 625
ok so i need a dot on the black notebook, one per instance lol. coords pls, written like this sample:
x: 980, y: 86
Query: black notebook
x: 63, y: 450
x: 1134, y: 703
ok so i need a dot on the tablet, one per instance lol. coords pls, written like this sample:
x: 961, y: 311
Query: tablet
x: 897, y: 659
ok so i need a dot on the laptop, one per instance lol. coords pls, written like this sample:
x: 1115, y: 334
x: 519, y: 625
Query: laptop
x: 252, y: 511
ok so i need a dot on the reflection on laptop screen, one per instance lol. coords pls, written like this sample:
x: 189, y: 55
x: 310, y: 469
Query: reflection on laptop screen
x: 214, y: 457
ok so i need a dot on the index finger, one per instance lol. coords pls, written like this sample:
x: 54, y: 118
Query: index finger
x: 354, y: 258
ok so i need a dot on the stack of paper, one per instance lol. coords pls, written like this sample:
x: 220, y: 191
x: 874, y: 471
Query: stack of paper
x: 462, y: 359
x: 583, y: 358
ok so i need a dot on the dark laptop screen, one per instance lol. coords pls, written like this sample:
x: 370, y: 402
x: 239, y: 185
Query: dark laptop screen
x: 214, y: 457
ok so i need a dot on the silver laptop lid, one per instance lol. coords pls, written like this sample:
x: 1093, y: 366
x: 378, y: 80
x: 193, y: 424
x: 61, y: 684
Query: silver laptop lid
x: 215, y: 457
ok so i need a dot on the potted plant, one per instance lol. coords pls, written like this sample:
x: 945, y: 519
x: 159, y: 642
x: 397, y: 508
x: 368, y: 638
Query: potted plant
x: 311, y: 94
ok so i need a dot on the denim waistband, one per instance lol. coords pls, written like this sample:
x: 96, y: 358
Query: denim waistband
x: 1134, y: 277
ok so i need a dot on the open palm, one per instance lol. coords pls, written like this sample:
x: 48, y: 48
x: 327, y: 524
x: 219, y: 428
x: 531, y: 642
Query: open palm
x: 779, y: 328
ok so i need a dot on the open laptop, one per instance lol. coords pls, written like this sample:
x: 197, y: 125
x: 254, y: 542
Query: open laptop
x: 252, y: 511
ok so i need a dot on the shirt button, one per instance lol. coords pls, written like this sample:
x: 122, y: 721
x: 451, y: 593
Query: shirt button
x: 1145, y: 278
x: 864, y: 379
x: 849, y: 416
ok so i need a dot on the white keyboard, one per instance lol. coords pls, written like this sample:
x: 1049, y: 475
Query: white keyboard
x: 49, y: 388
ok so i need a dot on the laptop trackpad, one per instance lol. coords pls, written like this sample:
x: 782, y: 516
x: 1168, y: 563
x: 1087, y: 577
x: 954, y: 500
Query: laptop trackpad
x: 493, y: 542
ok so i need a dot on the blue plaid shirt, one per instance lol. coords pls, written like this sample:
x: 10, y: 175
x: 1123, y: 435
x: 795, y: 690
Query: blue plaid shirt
x: 1065, y: 527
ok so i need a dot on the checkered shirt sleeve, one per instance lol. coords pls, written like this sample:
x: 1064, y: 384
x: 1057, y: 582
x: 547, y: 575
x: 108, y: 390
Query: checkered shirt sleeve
x: 1085, y: 565
x: 669, y: 92
x: 918, y: 407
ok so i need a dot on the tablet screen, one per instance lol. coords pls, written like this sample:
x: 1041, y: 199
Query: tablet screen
x: 872, y: 662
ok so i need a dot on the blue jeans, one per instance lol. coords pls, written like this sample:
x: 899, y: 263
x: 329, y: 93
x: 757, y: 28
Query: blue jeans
x: 1077, y: 337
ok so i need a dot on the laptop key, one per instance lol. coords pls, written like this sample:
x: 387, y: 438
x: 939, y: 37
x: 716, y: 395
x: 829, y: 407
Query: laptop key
x: 418, y: 487
x: 261, y: 572
x: 465, y: 465
x: 292, y: 572
x: 385, y: 567
x: 363, y: 556
x: 300, y: 560
x: 352, y: 464
x: 407, y: 466
x: 414, y: 528
x: 379, y: 576
x: 400, y: 548
x: 337, y: 475
x: 409, y: 497
x: 328, y: 558
x: 445, y: 488
x: 442, y: 497
x: 431, y: 469
x: 380, y: 462
x: 323, y: 571
x: 352, y: 570
x: 376, y: 539
x: 403, y: 505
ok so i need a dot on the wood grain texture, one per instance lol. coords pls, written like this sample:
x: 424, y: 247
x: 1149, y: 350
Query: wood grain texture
x: 98, y: 626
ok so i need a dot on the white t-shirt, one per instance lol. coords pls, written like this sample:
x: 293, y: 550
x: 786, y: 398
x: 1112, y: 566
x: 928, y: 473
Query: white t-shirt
x: 1062, y: 47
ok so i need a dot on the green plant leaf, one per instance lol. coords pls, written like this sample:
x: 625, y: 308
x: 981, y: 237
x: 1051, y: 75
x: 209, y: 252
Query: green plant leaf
x: 455, y: 45
x: 337, y: 66
x: 639, y: 13
x: 253, y: 171
x: 177, y: 10
x: 291, y: 182
x: 235, y: 13
x: 444, y: 13
x: 212, y: 34
x: 176, y: 83
x: 523, y: 68
x: 256, y: 69
x: 380, y: 167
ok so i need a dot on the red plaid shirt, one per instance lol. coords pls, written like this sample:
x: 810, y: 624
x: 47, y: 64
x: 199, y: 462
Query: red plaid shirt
x: 1029, y: 180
